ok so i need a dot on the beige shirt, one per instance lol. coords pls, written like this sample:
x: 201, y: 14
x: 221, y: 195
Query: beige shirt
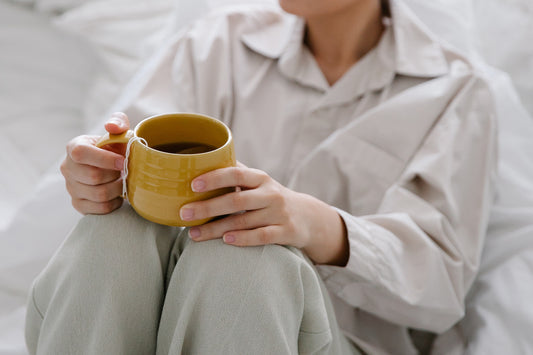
x: 403, y: 145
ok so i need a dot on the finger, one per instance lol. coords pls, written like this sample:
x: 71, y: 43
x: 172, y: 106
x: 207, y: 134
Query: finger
x: 119, y: 148
x: 91, y: 207
x: 87, y: 174
x: 229, y: 203
x: 253, y: 237
x: 229, y: 177
x: 82, y: 151
x: 117, y: 123
x: 98, y: 193
x: 238, y: 221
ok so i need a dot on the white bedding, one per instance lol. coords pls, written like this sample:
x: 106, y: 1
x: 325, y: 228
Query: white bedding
x: 45, y: 75
x: 63, y: 63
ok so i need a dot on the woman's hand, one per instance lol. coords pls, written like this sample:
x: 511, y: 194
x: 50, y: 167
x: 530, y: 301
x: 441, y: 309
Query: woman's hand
x: 92, y: 175
x: 262, y: 211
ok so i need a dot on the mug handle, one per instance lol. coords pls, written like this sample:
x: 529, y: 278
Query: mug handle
x: 114, y: 138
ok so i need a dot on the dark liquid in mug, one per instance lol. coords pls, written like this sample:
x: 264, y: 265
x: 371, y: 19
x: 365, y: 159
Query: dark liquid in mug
x: 184, y: 147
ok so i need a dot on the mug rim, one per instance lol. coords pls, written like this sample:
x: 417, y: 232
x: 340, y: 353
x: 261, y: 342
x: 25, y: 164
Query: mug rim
x: 189, y: 114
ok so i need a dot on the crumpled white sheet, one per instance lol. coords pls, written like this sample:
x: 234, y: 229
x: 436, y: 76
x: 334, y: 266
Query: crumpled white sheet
x: 123, y: 34
x: 47, y: 75
x: 44, y: 78
x: 504, y: 37
x: 499, y: 315
x: 498, y: 318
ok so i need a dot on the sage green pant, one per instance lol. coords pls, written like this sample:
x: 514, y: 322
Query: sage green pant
x: 122, y: 285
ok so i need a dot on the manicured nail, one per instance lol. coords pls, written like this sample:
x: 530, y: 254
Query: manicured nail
x: 114, y: 120
x: 198, y: 185
x: 119, y: 163
x: 120, y: 115
x: 187, y: 214
x: 117, y: 118
x: 229, y: 238
x: 194, y: 232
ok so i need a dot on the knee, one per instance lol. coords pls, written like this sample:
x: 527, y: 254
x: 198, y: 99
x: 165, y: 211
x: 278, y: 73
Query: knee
x: 215, y: 253
x: 118, y: 233
x: 268, y: 279
x: 121, y: 226
x: 264, y: 266
x: 106, y: 254
x: 107, y: 248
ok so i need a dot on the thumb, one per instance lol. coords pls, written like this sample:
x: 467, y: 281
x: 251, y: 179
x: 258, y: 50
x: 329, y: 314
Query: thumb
x: 117, y: 123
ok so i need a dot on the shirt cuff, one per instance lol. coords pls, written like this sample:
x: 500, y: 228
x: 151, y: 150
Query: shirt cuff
x: 366, y: 263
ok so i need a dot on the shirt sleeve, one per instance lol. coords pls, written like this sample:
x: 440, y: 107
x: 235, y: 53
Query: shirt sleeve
x: 412, y: 262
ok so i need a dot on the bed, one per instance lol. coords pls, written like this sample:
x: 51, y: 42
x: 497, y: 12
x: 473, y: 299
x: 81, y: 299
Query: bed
x: 66, y: 64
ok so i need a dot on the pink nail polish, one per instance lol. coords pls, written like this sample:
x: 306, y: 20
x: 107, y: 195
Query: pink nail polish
x: 194, y: 232
x: 198, y: 185
x: 229, y: 238
x: 187, y: 214
x: 119, y: 164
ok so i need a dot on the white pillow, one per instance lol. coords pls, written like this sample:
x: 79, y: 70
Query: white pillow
x: 57, y: 6
x: 45, y: 75
x: 51, y: 6
x: 123, y: 34
x: 504, y: 30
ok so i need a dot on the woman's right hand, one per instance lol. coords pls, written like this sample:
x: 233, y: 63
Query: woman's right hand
x: 93, y: 175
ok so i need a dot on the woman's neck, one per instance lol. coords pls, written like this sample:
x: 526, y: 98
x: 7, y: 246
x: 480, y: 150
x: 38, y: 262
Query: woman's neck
x: 339, y: 39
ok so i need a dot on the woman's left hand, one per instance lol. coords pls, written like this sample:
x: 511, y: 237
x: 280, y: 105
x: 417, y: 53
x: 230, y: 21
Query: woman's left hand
x: 262, y: 211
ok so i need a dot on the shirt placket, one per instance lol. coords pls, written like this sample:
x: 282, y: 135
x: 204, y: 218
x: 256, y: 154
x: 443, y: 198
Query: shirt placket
x: 316, y: 125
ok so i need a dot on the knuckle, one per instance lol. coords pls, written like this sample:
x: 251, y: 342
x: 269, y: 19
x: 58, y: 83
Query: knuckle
x: 285, y: 209
x: 102, y: 194
x: 63, y: 168
x: 77, y: 153
x: 72, y: 143
x: 264, y: 175
x: 238, y: 175
x: 291, y: 227
x: 116, y: 203
x: 276, y: 197
x: 237, y: 200
x: 106, y: 207
x: 95, y: 175
x: 69, y: 188
x: 264, y: 236
x: 241, y: 221
x: 76, y: 203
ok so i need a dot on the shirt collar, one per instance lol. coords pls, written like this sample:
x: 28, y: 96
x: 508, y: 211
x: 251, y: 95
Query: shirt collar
x: 417, y: 52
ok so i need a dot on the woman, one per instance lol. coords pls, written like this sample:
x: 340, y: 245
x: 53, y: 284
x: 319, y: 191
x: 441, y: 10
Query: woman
x: 366, y: 147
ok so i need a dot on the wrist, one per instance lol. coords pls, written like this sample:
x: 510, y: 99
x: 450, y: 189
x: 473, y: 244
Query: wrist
x: 328, y: 237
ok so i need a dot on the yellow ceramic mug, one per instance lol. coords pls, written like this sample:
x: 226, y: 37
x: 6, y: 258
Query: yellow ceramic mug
x: 180, y: 147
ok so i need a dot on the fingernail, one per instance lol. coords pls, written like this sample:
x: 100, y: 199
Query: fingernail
x: 194, y: 232
x: 117, y: 118
x: 229, y: 238
x: 187, y: 214
x: 119, y: 163
x: 198, y: 185
x: 119, y: 115
x: 115, y: 121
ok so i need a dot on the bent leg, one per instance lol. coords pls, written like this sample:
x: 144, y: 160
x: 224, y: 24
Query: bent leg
x: 261, y: 300
x: 103, y: 290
